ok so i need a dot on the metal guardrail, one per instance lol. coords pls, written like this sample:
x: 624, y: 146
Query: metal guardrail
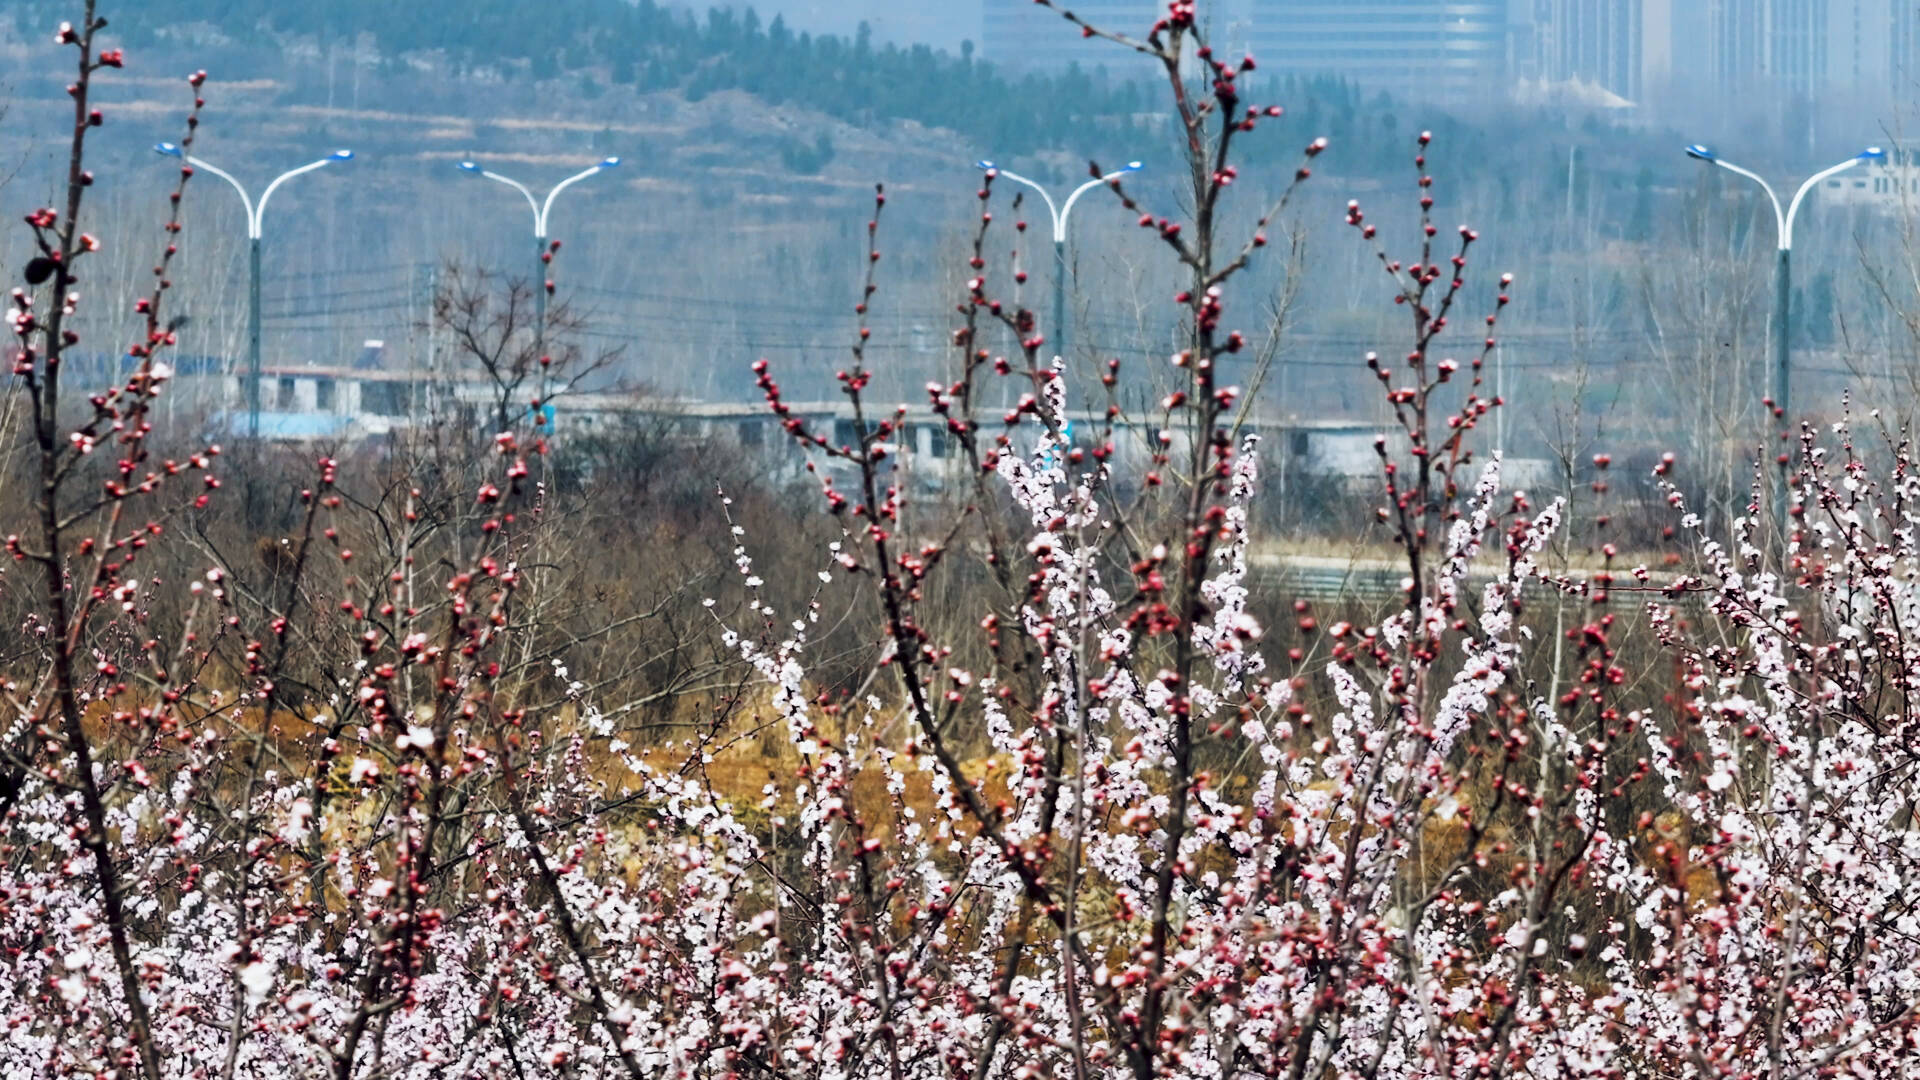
x: 1379, y: 582
x: 1327, y: 580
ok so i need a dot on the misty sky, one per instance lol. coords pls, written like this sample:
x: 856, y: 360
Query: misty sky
x: 940, y: 23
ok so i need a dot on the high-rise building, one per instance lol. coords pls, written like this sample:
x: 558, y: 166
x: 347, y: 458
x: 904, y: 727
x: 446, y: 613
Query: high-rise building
x: 1451, y: 49
x: 1797, y: 45
x: 1623, y: 48
x: 1903, y: 61
x: 1732, y: 53
x: 1757, y: 51
x: 1864, y: 46
x: 1806, y: 49
x: 1021, y: 35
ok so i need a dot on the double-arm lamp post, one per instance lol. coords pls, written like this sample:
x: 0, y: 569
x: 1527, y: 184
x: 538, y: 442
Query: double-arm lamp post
x: 1783, y: 275
x: 541, y: 212
x: 255, y: 212
x: 1059, y: 214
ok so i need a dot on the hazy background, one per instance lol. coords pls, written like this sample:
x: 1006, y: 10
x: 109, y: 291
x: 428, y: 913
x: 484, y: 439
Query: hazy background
x: 734, y: 227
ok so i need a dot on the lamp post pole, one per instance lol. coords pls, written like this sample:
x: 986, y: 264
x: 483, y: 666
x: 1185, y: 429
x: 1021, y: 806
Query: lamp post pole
x: 1782, y: 374
x: 253, y: 335
x: 255, y: 214
x: 1782, y: 367
x: 541, y: 212
x: 1059, y: 215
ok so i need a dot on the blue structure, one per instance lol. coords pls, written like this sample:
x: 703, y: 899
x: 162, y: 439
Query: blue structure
x: 288, y: 426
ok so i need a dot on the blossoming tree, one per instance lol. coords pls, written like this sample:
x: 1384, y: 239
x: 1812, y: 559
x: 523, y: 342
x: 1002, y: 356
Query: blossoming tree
x: 1083, y: 827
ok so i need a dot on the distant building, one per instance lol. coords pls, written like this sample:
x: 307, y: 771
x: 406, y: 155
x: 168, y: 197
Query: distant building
x: 1891, y: 185
x: 1623, y: 48
x: 1743, y: 52
x: 1431, y: 49
x: 1799, y: 57
x: 1807, y: 49
x: 1601, y: 53
x: 343, y: 406
x: 1869, y: 46
x: 307, y: 403
x: 1904, y: 47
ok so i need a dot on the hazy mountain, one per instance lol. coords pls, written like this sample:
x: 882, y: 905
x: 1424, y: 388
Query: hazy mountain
x: 750, y: 148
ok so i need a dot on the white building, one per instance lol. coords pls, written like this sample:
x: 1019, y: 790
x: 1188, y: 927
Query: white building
x: 340, y: 406
x: 310, y: 404
x: 1891, y: 185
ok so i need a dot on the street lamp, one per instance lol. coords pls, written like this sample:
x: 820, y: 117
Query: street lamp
x: 254, y: 215
x: 541, y: 210
x: 1059, y: 214
x: 1783, y: 271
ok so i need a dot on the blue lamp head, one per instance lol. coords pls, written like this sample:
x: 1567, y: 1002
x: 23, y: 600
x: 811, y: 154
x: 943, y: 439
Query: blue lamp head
x: 168, y: 149
x: 610, y: 163
x: 340, y: 155
x: 1701, y: 152
x: 470, y: 166
x: 1133, y: 166
x: 1873, y: 153
x: 983, y: 164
